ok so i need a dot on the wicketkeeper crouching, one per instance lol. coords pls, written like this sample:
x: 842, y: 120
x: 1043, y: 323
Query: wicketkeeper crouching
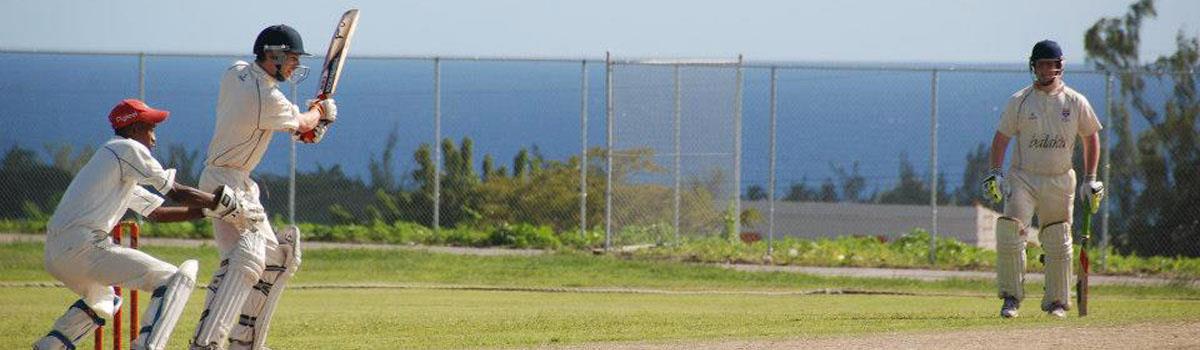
x: 80, y: 251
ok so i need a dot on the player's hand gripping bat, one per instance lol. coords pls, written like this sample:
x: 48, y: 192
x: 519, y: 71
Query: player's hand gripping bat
x: 331, y: 71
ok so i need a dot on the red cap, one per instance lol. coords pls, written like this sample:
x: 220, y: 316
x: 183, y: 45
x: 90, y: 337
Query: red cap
x: 134, y: 110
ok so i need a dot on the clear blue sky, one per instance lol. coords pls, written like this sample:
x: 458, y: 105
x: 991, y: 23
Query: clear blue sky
x: 964, y: 31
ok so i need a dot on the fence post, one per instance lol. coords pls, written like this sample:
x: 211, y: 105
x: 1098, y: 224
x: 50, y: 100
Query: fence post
x: 737, y: 153
x: 583, y: 148
x: 142, y: 90
x: 292, y: 170
x: 608, y: 149
x: 771, y: 171
x: 678, y: 149
x: 142, y: 76
x: 1108, y: 111
x: 437, y: 145
x: 933, y: 175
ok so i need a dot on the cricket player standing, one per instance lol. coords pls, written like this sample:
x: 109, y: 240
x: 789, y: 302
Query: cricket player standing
x: 1044, y: 119
x: 255, y: 263
x: 81, y: 254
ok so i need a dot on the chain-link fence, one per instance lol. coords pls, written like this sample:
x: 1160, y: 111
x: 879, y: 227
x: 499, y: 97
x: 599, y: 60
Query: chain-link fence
x: 673, y: 131
x: 645, y: 151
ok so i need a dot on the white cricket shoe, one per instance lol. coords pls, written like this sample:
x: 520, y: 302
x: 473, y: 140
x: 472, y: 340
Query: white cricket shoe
x: 1057, y: 310
x: 1009, y: 310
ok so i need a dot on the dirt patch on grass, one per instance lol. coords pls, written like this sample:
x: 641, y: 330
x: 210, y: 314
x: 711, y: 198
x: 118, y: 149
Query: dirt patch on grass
x: 1176, y: 335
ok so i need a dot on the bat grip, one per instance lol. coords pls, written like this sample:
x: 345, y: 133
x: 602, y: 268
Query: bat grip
x: 309, y: 136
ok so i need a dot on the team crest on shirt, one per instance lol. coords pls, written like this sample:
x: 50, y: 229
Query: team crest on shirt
x: 1066, y: 115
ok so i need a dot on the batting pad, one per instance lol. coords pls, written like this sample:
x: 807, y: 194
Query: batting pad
x: 232, y: 284
x: 1010, y: 258
x: 282, y: 262
x: 166, y: 305
x: 71, y: 327
x: 1056, y: 241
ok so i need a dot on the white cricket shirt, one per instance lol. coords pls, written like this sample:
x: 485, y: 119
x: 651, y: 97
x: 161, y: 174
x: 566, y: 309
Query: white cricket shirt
x: 109, y: 183
x: 249, y: 108
x: 1044, y: 127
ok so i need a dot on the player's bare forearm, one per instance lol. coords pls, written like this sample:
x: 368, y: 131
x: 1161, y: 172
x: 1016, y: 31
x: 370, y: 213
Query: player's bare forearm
x: 191, y: 197
x: 999, y: 146
x: 1091, y: 154
x: 175, y: 214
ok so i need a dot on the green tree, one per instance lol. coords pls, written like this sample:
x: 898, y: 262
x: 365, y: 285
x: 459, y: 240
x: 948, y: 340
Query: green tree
x: 975, y: 170
x: 800, y: 192
x: 382, y: 171
x: 853, y: 183
x: 63, y: 156
x: 322, y: 196
x: 30, y: 186
x: 912, y: 188
x: 549, y: 197
x: 187, y: 164
x: 489, y: 168
x: 1164, y: 217
x: 423, y: 176
x: 521, y: 164
x: 828, y: 192
x: 1161, y: 161
x: 1112, y: 45
x: 460, y: 184
x: 756, y: 193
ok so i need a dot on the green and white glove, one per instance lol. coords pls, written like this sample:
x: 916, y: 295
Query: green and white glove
x: 1091, y: 192
x: 993, y: 185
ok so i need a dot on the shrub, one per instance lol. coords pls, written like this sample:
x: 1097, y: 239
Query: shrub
x: 524, y: 236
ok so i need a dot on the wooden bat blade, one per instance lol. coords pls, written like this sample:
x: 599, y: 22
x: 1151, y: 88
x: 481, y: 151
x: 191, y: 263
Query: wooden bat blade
x: 1082, y: 289
x: 339, y: 48
x: 335, y: 59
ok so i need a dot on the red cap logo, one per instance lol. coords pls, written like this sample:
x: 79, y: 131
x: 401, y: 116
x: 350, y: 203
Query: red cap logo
x: 133, y: 110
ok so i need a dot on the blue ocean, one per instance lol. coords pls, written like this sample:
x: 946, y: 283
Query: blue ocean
x: 827, y: 117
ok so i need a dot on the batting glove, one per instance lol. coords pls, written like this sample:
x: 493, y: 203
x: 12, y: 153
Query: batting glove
x: 993, y: 185
x: 327, y: 108
x: 1091, y: 192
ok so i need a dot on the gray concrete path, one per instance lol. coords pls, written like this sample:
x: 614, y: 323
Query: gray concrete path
x: 178, y: 242
x: 917, y: 274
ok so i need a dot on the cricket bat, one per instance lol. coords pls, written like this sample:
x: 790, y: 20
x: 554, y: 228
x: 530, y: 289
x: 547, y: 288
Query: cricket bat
x: 335, y: 59
x: 1081, y: 287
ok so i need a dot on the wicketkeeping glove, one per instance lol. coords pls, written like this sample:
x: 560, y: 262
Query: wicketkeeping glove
x: 993, y: 185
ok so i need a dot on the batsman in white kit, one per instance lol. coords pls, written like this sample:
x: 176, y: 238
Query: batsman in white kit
x: 80, y: 253
x: 255, y: 263
x: 1044, y: 120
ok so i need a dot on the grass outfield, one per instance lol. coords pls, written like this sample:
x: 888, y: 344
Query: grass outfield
x: 437, y: 314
